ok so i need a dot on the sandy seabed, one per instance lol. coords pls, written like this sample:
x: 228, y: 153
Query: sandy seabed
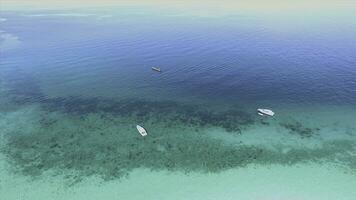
x: 298, y: 182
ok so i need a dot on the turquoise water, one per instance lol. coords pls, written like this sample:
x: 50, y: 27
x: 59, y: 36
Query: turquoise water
x: 74, y: 84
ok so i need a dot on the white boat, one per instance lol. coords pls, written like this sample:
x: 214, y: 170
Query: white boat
x: 141, y: 130
x: 156, y: 69
x: 263, y: 112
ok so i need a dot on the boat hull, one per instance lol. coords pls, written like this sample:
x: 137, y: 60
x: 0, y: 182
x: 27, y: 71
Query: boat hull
x: 141, y: 130
x: 264, y: 112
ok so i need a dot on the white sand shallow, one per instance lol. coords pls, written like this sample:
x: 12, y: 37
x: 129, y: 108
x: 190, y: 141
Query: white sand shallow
x: 301, y: 182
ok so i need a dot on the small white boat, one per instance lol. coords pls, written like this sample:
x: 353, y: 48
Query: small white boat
x: 263, y: 112
x: 156, y: 69
x: 141, y: 130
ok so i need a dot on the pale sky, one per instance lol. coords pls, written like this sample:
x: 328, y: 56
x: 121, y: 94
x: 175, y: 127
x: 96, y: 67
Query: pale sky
x: 228, y: 5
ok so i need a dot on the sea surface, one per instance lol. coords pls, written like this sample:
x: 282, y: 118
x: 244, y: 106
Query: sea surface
x: 75, y: 83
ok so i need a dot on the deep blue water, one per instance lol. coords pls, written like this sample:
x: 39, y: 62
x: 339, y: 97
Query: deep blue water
x: 237, y: 58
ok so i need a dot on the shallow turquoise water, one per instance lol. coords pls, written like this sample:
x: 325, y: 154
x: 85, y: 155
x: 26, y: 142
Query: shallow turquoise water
x: 74, y: 86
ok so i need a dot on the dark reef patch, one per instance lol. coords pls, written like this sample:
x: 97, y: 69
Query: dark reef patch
x: 299, y: 129
x: 93, y: 145
x: 104, y: 145
x: 169, y: 112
